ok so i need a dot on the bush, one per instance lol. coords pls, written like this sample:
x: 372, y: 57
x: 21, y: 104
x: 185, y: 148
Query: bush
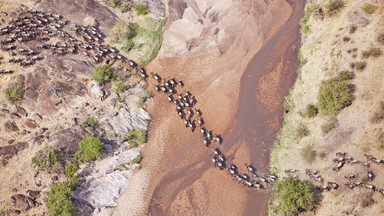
x: 309, y: 9
x: 142, y: 10
x: 294, y: 196
x: 310, y: 111
x: 374, y: 52
x: 333, y: 6
x: 92, y: 122
x: 90, y: 148
x: 345, y: 75
x: 368, y: 8
x: 126, y: 7
x: 45, y: 159
x: 333, y: 96
x: 102, y: 73
x: 329, y: 125
x: 70, y: 170
x: 137, y: 159
x: 128, y: 45
x: 59, y: 202
x: 120, y: 32
x: 360, y: 65
x: 132, y: 144
x: 308, y: 154
x: 120, y: 87
x: 13, y: 95
x: 116, y: 3
x: 139, y: 134
x: 302, y: 131
x: 145, y: 95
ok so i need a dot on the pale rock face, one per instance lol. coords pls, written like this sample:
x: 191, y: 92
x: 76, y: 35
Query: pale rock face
x: 105, y: 185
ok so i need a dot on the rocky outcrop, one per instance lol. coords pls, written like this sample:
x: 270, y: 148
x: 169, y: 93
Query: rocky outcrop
x: 22, y: 202
x: 7, y: 152
x: 106, y: 182
x: 68, y: 139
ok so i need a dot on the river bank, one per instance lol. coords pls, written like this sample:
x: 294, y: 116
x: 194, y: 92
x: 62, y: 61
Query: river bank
x: 336, y: 46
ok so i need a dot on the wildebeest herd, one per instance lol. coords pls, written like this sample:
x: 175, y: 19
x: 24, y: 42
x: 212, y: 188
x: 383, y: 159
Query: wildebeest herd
x: 39, y: 26
x: 340, y: 161
x: 184, y: 103
x: 33, y: 25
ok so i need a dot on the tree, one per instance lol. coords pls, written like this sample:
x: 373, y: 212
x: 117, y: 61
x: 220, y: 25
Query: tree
x: 59, y: 202
x: 13, y: 95
x: 142, y: 10
x: 295, y: 196
x: 90, y: 148
x: 102, y: 73
x: 333, y: 96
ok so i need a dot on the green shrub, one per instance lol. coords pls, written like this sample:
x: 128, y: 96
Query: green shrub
x: 90, y: 148
x: 310, y: 111
x: 309, y: 9
x: 147, y: 121
x: 142, y: 10
x: 120, y: 86
x: 45, y: 159
x: 138, y: 167
x: 333, y: 6
x: 137, y: 159
x: 302, y: 131
x: 308, y: 154
x: 120, y: 32
x: 116, y: 3
x: 13, y: 95
x: 59, y: 202
x: 345, y: 75
x: 126, y: 7
x: 139, y: 134
x: 368, y: 8
x: 102, y: 73
x: 293, y: 197
x: 144, y: 96
x: 132, y: 144
x: 92, y: 122
x: 374, y: 52
x: 128, y: 45
x: 70, y: 170
x: 329, y: 125
x: 333, y: 96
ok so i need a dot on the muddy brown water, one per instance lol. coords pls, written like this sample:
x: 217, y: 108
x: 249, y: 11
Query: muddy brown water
x: 255, y: 124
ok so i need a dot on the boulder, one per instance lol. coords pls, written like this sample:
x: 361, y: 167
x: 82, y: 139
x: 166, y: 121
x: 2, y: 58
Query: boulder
x: 33, y: 194
x: 31, y: 123
x: 22, y: 202
x: 21, y: 111
x: 10, y: 126
x: 68, y: 139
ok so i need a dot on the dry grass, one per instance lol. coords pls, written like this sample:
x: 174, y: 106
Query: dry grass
x: 368, y: 8
x: 89, y: 21
x: 374, y: 52
x: 378, y: 116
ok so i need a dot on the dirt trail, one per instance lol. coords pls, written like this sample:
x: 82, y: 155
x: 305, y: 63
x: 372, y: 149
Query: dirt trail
x: 177, y: 176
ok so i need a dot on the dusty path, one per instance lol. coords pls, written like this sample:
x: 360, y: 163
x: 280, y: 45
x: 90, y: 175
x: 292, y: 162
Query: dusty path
x: 177, y: 178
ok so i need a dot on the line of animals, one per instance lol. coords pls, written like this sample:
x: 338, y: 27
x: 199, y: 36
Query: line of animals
x: 340, y: 161
x: 38, y: 25
x: 192, y: 118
